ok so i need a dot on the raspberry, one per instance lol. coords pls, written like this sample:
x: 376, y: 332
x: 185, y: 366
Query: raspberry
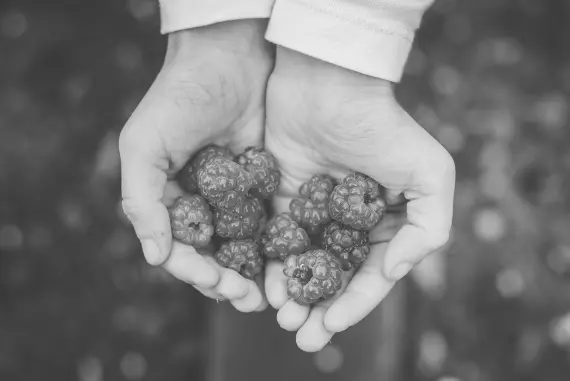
x: 349, y: 245
x: 191, y: 220
x: 187, y: 177
x: 283, y: 237
x: 313, y: 276
x: 263, y: 166
x: 312, y: 213
x: 241, y: 221
x: 241, y: 256
x: 224, y: 183
x: 356, y: 202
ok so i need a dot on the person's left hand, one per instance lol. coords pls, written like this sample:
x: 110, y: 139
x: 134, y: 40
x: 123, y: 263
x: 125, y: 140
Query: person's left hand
x: 323, y: 119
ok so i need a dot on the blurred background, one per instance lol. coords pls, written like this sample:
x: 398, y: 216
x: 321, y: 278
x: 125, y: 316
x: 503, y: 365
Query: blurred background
x: 488, y: 78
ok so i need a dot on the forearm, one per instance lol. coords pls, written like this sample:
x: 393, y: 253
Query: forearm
x: 176, y: 15
x: 372, y: 37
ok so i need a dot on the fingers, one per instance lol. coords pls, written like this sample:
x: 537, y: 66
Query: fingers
x: 252, y: 301
x: 292, y: 315
x: 429, y: 214
x: 387, y: 228
x: 186, y: 264
x: 232, y: 285
x: 143, y: 178
x: 364, y: 292
x: 313, y: 335
x: 275, y: 284
x: 245, y: 295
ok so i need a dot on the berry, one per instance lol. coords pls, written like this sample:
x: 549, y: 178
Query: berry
x: 187, y: 177
x: 241, y: 221
x: 283, y: 237
x: 356, y: 202
x: 241, y: 256
x: 312, y: 212
x: 313, y: 276
x: 349, y: 245
x: 224, y: 183
x: 263, y: 166
x: 191, y: 220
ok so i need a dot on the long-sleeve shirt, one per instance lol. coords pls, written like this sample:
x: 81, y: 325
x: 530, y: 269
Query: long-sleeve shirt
x: 372, y: 37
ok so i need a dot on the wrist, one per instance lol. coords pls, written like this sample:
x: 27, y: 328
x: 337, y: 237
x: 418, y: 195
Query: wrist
x: 237, y: 37
x: 301, y: 67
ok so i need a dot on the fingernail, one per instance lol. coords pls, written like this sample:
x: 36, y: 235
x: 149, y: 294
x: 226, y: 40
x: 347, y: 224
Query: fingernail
x: 400, y: 270
x: 151, y: 252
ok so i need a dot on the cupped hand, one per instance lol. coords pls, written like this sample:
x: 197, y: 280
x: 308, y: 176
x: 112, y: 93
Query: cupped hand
x: 325, y: 119
x: 211, y: 89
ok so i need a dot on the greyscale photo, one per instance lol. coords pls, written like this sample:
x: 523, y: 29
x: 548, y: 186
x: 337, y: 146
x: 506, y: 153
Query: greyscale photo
x: 284, y: 190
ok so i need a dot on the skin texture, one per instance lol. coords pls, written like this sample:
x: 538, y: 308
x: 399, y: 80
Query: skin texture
x: 211, y: 89
x: 325, y: 119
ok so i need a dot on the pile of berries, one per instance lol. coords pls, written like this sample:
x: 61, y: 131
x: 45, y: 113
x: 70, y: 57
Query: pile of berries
x: 225, y: 199
x: 324, y: 234
x: 331, y: 222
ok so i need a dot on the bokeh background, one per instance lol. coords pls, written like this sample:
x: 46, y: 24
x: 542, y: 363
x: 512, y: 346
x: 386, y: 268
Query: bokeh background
x: 488, y: 78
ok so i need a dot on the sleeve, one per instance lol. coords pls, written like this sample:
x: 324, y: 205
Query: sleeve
x: 183, y: 14
x: 372, y: 37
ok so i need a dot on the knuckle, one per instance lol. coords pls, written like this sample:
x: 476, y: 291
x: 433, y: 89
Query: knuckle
x: 132, y: 209
x: 438, y: 170
x: 447, y: 164
x: 437, y: 239
x: 442, y: 162
x: 128, y: 139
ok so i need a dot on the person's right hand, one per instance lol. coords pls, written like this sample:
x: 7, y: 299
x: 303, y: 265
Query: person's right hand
x: 211, y: 89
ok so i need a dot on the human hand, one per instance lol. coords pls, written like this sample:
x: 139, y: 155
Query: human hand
x: 211, y: 90
x: 325, y: 119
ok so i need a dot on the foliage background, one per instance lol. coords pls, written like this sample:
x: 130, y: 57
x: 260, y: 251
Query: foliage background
x: 488, y: 78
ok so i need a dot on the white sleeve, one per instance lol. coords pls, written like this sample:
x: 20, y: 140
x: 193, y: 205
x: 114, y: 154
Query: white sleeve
x: 183, y: 14
x: 372, y: 37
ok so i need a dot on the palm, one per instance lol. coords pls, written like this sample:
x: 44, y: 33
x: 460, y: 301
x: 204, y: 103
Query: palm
x: 211, y: 89
x: 231, y: 107
x: 225, y: 108
x: 308, y: 135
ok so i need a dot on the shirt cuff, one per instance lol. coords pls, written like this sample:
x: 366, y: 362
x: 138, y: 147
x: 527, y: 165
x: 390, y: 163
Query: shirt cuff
x: 343, y: 34
x: 183, y: 14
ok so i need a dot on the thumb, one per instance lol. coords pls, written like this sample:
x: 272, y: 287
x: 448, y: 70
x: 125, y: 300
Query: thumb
x: 143, y: 179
